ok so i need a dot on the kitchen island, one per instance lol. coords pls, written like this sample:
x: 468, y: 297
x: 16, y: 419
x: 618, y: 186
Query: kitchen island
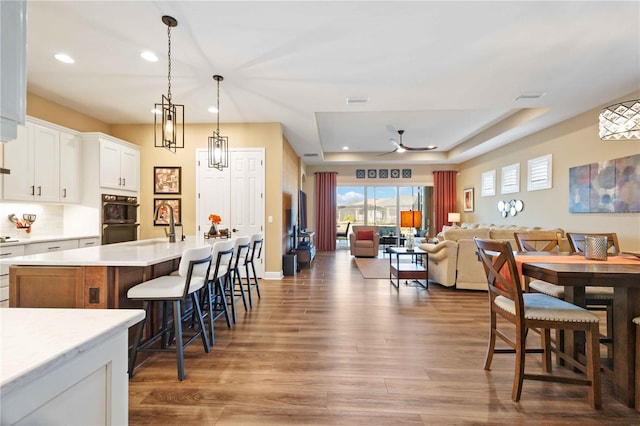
x: 95, y: 277
x: 64, y: 366
x: 91, y: 277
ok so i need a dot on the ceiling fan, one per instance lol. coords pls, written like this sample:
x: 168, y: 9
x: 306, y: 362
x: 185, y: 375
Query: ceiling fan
x: 400, y: 147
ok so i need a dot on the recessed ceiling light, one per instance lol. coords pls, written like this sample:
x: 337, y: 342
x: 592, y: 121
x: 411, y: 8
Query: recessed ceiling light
x: 156, y: 111
x: 345, y: 148
x: 148, y: 55
x: 63, y: 57
x: 213, y: 110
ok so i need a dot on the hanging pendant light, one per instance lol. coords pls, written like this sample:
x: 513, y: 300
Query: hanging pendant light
x: 218, y: 145
x: 169, y: 132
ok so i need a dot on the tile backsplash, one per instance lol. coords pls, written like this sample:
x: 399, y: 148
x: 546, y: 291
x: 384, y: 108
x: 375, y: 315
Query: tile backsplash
x: 49, y: 219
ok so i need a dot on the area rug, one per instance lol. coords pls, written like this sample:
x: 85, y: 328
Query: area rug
x: 373, y: 268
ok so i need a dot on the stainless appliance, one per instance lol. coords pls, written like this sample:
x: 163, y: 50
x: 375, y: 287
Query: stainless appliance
x: 119, y: 218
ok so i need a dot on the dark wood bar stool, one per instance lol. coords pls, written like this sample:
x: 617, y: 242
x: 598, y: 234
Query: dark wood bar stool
x: 250, y: 267
x: 176, y: 288
x: 241, y: 249
x: 215, y: 300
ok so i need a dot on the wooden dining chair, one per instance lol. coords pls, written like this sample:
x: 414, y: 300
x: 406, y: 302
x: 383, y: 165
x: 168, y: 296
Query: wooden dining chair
x: 535, y: 310
x: 577, y: 241
x: 598, y: 298
x: 538, y: 241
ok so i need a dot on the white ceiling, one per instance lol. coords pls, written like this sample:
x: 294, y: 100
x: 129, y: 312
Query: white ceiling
x: 448, y: 73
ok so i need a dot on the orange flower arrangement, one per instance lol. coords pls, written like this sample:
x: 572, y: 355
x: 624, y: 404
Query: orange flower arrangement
x: 214, y: 218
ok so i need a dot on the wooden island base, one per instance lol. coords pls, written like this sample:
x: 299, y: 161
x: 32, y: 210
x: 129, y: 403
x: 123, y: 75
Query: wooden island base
x: 92, y: 287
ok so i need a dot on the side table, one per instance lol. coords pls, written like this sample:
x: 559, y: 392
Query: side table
x: 408, y: 271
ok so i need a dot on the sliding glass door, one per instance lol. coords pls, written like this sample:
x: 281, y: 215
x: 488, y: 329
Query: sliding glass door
x: 381, y: 205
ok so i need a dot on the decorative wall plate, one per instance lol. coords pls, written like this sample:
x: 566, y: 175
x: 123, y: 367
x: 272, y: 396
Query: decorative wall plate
x: 383, y: 173
x: 372, y: 173
x: 395, y: 173
x: 360, y: 174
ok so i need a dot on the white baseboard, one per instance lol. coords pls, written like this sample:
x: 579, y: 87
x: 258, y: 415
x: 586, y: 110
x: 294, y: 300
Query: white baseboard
x: 274, y: 275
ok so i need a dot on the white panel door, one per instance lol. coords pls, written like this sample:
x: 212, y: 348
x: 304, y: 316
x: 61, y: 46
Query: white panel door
x: 247, y: 189
x: 236, y: 194
x: 213, y: 187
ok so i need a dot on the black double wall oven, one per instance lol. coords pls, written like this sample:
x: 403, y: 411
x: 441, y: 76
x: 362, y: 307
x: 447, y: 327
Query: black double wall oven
x: 119, y: 218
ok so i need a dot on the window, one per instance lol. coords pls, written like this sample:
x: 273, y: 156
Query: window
x: 488, y: 185
x: 379, y: 205
x: 539, y: 173
x: 510, y: 179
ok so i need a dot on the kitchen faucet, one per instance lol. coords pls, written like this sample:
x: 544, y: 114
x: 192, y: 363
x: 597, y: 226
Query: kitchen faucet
x: 172, y: 222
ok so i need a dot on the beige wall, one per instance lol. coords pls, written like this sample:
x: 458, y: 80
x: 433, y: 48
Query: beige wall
x: 52, y: 112
x: 290, y: 188
x: 572, y: 143
x: 241, y: 135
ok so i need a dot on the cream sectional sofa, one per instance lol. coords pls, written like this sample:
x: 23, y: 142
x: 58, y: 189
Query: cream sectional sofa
x: 453, y: 260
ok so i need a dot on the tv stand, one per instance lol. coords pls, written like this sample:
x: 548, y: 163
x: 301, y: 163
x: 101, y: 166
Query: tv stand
x: 306, y: 247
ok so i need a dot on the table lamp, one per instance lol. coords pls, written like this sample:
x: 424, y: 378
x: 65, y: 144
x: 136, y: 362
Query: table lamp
x: 454, y: 218
x: 410, y: 219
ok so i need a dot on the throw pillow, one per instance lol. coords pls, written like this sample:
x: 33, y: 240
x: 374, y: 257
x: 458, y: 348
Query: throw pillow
x: 365, y: 235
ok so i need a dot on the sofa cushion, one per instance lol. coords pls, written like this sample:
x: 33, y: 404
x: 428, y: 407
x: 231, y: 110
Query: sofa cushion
x: 466, y: 234
x: 365, y: 235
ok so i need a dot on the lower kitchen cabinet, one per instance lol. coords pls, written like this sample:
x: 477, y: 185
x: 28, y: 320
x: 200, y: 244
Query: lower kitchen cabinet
x: 5, y: 253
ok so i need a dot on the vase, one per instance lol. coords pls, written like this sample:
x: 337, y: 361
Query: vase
x: 214, y: 229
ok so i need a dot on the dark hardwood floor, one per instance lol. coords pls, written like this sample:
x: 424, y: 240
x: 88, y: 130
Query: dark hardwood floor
x: 328, y: 347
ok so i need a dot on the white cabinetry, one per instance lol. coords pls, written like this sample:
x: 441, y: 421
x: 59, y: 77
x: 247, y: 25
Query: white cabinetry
x: 13, y: 57
x: 70, y: 167
x: 40, y: 159
x: 78, y: 377
x: 88, y: 242
x: 5, y: 253
x: 49, y: 246
x: 119, y: 165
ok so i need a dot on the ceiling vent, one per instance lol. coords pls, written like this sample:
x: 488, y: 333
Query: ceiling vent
x: 309, y: 155
x: 529, y: 96
x: 357, y: 100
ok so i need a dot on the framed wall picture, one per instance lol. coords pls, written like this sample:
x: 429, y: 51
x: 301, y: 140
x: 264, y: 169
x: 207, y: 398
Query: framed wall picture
x: 468, y: 200
x: 167, y: 180
x: 164, y: 218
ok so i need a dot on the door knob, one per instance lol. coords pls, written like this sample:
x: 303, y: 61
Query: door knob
x: 234, y: 230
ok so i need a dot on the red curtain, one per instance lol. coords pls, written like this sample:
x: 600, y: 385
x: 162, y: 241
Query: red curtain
x: 444, y: 197
x: 326, y: 185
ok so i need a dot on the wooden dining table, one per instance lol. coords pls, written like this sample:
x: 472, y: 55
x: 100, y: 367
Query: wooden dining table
x: 574, y: 272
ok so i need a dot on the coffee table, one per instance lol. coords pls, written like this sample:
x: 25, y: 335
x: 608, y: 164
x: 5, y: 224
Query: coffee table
x: 390, y: 240
x: 408, y: 271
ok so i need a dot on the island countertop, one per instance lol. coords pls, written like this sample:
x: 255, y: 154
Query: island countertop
x: 37, y: 340
x: 132, y: 253
x: 67, y: 365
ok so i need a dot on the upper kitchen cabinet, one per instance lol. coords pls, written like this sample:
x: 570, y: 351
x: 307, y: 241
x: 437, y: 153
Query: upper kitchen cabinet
x: 33, y: 159
x: 119, y: 161
x: 70, y: 167
x: 44, y: 161
x: 13, y: 57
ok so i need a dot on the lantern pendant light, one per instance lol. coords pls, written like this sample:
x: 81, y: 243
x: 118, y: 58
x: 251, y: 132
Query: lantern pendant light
x: 218, y: 145
x: 169, y: 131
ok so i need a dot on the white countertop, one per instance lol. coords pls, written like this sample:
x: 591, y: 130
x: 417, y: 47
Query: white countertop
x: 37, y: 340
x: 44, y: 239
x: 133, y: 253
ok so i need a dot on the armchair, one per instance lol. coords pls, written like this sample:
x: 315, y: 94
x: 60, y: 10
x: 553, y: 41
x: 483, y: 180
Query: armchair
x: 364, y: 241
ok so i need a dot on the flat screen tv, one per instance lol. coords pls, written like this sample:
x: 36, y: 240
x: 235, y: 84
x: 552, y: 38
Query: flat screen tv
x: 302, y: 211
